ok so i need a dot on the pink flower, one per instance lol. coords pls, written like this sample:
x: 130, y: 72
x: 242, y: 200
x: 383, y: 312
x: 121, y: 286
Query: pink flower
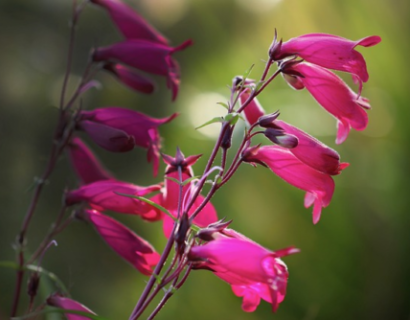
x: 141, y: 129
x: 328, y: 51
x: 68, y: 304
x: 309, y: 150
x: 124, y: 242
x: 103, y: 195
x: 130, y: 24
x: 147, y: 56
x: 84, y: 162
x: 332, y: 94
x: 319, y: 186
x: 169, y: 196
x: 130, y: 78
x: 312, y: 152
x: 253, y: 272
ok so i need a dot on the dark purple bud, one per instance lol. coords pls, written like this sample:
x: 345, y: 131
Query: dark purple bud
x: 274, y: 51
x: 32, y: 285
x: 237, y: 82
x: 280, y: 137
x: 208, y: 233
x: 181, y: 233
x: 227, y: 138
x: 267, y: 121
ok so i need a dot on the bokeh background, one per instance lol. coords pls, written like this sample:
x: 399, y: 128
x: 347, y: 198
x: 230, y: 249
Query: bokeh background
x: 354, y: 264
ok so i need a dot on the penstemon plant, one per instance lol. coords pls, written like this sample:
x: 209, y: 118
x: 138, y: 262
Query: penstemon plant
x: 197, y: 239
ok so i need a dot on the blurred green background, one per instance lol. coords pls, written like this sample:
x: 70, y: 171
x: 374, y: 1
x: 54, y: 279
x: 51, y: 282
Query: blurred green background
x: 353, y: 265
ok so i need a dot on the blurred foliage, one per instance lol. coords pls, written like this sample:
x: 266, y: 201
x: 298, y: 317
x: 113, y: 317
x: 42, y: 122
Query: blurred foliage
x: 353, y: 265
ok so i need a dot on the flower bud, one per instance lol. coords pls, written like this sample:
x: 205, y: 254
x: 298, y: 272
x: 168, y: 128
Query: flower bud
x: 227, y: 138
x: 281, y: 138
x: 267, y: 121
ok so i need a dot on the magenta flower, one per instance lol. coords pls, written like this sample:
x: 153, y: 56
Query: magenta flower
x: 141, y: 129
x: 169, y: 196
x: 319, y: 186
x: 312, y: 152
x: 130, y: 78
x: 309, y: 150
x: 147, y: 56
x: 328, y: 51
x: 124, y: 242
x: 104, y: 195
x: 130, y: 24
x: 332, y: 94
x: 253, y: 272
x: 68, y: 304
x: 85, y: 164
x: 253, y: 111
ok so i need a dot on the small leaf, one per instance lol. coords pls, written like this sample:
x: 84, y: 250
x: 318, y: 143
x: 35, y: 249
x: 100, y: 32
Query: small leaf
x: 214, y: 120
x: 152, y: 203
x: 31, y: 267
x: 247, y: 73
x: 223, y: 104
x: 259, y: 85
x: 173, y: 179
x: 189, y: 180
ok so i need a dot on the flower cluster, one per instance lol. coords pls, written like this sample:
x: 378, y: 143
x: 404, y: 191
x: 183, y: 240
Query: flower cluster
x: 180, y: 201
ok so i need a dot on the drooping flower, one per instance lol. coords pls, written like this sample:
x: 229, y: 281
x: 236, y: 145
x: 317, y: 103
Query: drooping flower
x: 333, y: 94
x: 170, y: 195
x: 129, y: 23
x: 106, y: 195
x: 85, y: 164
x: 142, y: 129
x: 151, y: 57
x: 56, y: 300
x: 328, y: 51
x: 319, y: 186
x: 253, y: 271
x: 130, y: 77
x: 138, y: 252
x: 309, y: 150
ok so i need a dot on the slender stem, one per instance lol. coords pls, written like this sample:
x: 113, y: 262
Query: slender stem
x: 169, y: 294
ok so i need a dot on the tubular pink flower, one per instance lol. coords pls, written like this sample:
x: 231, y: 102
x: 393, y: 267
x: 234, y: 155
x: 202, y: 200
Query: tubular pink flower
x: 68, y: 304
x: 329, y: 51
x: 85, y: 164
x: 104, y: 195
x: 109, y: 138
x: 319, y: 186
x: 253, y: 272
x: 138, y: 252
x: 313, y: 152
x: 130, y: 24
x: 335, y: 96
x: 142, y: 129
x: 253, y: 110
x: 169, y: 197
x: 309, y: 150
x: 130, y: 78
x: 147, y: 56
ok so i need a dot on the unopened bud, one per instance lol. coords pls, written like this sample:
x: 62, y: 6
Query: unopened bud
x: 280, y: 137
x: 181, y: 232
x: 267, y: 121
x: 227, y: 138
x: 33, y: 283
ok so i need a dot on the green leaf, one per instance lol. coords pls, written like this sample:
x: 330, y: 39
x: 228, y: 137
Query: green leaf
x: 223, y: 104
x: 33, y: 315
x: 31, y: 267
x: 247, y: 73
x: 214, y: 120
x: 152, y: 203
x: 259, y: 85
x: 185, y: 182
